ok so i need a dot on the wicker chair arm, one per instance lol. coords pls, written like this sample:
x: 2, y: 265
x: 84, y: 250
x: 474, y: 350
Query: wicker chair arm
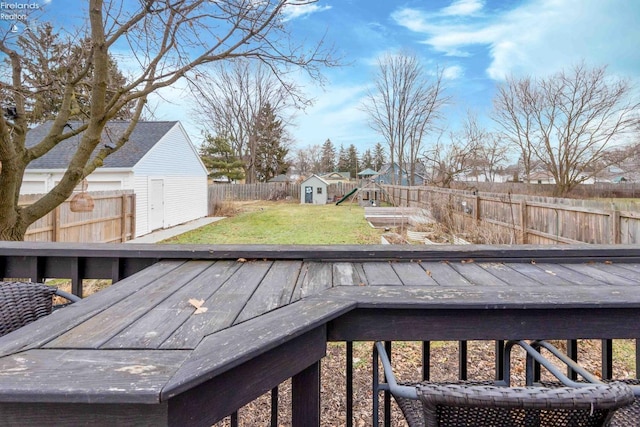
x: 591, y: 397
x: 68, y: 296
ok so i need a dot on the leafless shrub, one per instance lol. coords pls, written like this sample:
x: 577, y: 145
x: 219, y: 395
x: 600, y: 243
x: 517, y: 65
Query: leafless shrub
x: 225, y: 208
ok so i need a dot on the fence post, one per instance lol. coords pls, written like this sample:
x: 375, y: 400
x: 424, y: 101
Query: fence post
x: 123, y: 219
x: 56, y: 223
x: 616, y: 235
x: 133, y: 216
x: 523, y: 220
x: 477, y: 208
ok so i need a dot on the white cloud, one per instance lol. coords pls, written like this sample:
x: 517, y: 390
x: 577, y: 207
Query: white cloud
x: 293, y: 11
x: 463, y: 7
x: 537, y: 36
x: 452, y: 72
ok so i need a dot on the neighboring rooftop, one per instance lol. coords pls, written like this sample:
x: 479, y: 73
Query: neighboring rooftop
x: 143, y: 138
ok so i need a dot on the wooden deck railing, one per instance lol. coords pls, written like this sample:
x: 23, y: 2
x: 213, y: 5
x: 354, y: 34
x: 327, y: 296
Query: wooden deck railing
x: 77, y: 262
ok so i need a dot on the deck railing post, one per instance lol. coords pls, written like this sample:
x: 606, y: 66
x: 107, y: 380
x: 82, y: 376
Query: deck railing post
x: 305, y: 397
x: 607, y: 359
x: 349, y: 372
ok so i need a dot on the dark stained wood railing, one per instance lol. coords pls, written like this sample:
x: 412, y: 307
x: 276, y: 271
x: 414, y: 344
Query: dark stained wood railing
x: 115, y: 262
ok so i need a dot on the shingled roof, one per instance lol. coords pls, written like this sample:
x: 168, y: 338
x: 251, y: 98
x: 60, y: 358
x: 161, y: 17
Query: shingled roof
x: 143, y: 138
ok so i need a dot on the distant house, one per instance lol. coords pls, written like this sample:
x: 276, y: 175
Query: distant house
x: 335, y: 177
x: 314, y: 190
x: 540, y: 177
x: 388, y: 171
x: 159, y: 163
x: 280, y: 178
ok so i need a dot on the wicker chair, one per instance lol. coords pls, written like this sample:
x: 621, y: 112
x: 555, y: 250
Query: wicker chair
x: 627, y: 416
x: 490, y: 403
x: 23, y: 302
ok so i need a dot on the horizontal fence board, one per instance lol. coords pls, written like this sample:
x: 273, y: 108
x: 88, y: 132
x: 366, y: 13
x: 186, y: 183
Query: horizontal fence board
x: 112, y: 220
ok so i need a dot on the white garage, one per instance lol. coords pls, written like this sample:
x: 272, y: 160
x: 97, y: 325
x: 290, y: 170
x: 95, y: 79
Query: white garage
x: 159, y: 163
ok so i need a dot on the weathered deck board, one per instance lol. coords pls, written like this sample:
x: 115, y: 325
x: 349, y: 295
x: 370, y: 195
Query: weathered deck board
x: 347, y: 274
x: 381, y: 273
x: 274, y: 291
x: 103, y: 326
x: 37, y: 334
x: 476, y: 274
x: 314, y: 277
x: 506, y: 274
x: 485, y: 297
x: 411, y: 274
x: 223, y: 307
x: 444, y: 274
x: 88, y: 376
x: 540, y: 275
x: 261, y: 334
x: 615, y: 272
x: 599, y: 275
x: 571, y: 275
x: 155, y: 326
x: 634, y: 268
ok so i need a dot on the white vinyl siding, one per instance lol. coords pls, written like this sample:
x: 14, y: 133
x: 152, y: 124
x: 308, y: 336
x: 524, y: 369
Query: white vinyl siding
x: 172, y: 155
x: 174, y: 160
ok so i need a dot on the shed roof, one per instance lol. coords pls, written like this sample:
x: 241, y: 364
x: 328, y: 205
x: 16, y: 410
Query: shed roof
x: 316, y: 176
x: 143, y: 138
x: 367, y: 172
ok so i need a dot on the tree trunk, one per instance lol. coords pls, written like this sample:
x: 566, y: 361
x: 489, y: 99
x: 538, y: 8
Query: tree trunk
x: 15, y: 232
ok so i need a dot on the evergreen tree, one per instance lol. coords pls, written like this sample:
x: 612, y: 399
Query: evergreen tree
x: 217, y: 156
x: 343, y: 160
x: 379, y: 157
x: 352, y: 161
x: 50, y: 60
x: 271, y: 152
x: 367, y: 160
x: 328, y: 159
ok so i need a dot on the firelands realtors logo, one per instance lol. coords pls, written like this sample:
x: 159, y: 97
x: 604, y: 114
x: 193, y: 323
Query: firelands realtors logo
x: 17, y: 12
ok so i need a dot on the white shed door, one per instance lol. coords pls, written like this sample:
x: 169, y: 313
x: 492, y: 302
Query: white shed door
x: 156, y: 204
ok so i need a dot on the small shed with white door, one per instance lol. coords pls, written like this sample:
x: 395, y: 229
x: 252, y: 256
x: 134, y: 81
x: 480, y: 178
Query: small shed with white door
x: 314, y: 190
x: 159, y: 163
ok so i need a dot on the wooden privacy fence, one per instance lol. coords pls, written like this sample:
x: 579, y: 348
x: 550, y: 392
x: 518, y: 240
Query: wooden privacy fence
x: 258, y: 191
x: 111, y: 220
x: 267, y: 191
x: 534, y: 220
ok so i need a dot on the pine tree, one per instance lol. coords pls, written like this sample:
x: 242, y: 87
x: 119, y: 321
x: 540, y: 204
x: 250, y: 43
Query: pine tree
x: 367, y: 160
x: 271, y: 152
x: 352, y: 161
x: 328, y: 159
x: 217, y: 156
x: 379, y: 157
x: 343, y: 160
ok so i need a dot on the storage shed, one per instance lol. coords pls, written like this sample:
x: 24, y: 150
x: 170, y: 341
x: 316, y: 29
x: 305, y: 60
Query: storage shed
x: 159, y: 163
x: 314, y: 190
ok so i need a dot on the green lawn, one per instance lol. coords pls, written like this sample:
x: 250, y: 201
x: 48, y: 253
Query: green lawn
x: 288, y: 223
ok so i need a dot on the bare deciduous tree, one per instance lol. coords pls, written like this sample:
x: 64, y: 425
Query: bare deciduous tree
x: 166, y: 40
x: 448, y: 160
x: 229, y: 97
x: 574, y: 117
x: 492, y: 156
x: 403, y: 107
x: 513, y: 114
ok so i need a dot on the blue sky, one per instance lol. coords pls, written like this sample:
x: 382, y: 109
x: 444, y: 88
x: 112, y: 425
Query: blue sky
x: 477, y: 42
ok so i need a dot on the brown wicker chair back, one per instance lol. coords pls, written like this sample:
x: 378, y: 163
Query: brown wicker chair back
x: 24, y: 302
